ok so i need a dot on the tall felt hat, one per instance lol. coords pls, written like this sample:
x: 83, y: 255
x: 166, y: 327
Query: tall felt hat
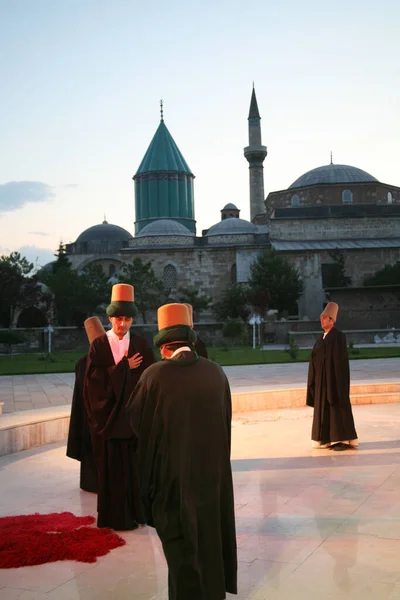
x: 93, y: 328
x: 174, y: 325
x: 122, y: 301
x: 190, y: 309
x: 331, y: 310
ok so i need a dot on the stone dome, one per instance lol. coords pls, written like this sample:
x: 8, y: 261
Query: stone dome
x: 104, y: 232
x: 333, y: 174
x: 232, y: 226
x: 162, y: 227
x: 230, y: 206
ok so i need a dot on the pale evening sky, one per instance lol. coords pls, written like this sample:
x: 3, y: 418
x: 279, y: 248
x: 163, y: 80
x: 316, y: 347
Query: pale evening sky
x: 81, y: 82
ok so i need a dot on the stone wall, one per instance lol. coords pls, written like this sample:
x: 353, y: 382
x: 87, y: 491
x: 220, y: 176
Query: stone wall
x: 358, y: 265
x: 353, y: 336
x: 334, y: 229
x: 368, y: 307
x: 363, y: 193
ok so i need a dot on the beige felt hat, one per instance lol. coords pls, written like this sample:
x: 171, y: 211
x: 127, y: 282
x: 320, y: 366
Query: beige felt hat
x: 94, y: 328
x: 331, y: 310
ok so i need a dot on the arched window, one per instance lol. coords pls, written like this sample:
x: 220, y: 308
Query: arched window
x: 347, y: 197
x: 295, y: 201
x: 389, y: 198
x: 170, y: 277
x: 111, y: 270
x: 233, y: 274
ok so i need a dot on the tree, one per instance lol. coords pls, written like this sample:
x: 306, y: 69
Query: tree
x: 192, y: 296
x: 64, y: 282
x: 334, y: 274
x: 149, y: 291
x: 233, y: 304
x: 389, y: 275
x: 273, y: 273
x: 17, y: 289
x: 259, y: 300
x: 95, y: 289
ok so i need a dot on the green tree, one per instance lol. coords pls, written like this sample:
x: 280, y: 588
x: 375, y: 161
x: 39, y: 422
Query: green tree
x: 94, y: 289
x: 233, y: 304
x: 273, y: 273
x: 63, y: 281
x: 192, y: 296
x: 389, y: 275
x: 18, y: 290
x: 149, y: 291
x: 334, y: 274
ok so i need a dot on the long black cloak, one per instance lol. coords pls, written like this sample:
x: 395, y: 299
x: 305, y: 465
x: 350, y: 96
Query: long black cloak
x: 200, y: 347
x: 79, y: 444
x: 107, y: 389
x: 328, y: 390
x: 181, y: 412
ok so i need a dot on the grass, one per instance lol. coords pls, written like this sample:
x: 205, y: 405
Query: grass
x: 64, y: 362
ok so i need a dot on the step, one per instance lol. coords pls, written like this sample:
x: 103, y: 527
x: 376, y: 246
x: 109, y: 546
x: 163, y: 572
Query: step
x: 32, y: 428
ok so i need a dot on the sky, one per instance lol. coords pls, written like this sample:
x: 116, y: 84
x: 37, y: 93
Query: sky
x: 81, y: 82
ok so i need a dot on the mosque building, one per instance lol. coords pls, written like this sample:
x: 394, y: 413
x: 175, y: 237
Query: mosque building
x: 333, y: 207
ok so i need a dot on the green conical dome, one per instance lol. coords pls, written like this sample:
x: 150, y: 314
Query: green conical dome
x: 164, y: 184
x: 163, y: 154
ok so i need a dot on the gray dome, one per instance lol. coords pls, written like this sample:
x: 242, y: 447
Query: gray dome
x: 104, y: 232
x: 232, y: 226
x: 332, y: 174
x: 230, y: 206
x: 162, y: 227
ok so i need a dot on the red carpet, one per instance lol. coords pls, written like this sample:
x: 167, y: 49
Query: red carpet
x: 29, y: 540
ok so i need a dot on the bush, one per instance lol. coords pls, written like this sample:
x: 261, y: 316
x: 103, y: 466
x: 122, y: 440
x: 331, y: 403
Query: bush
x: 10, y: 337
x: 293, y: 349
x: 235, y: 329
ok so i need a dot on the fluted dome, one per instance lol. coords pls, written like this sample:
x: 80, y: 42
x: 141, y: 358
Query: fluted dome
x: 332, y: 174
x: 104, y: 232
x: 232, y: 226
x: 163, y: 227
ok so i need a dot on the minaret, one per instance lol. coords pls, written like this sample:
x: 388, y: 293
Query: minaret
x: 255, y: 153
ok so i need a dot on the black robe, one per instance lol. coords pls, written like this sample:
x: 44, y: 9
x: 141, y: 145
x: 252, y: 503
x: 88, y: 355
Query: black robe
x: 79, y: 444
x: 181, y: 412
x: 200, y: 348
x: 328, y: 390
x: 107, y: 389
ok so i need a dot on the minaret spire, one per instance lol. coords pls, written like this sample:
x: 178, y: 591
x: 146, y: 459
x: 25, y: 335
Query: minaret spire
x: 255, y: 153
x: 331, y: 158
x: 162, y: 110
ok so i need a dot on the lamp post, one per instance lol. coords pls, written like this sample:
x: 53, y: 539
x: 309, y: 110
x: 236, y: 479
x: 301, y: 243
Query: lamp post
x: 49, y: 330
x: 255, y: 320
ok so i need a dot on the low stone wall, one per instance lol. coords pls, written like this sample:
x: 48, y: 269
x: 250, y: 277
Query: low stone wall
x: 66, y: 339
x: 306, y: 339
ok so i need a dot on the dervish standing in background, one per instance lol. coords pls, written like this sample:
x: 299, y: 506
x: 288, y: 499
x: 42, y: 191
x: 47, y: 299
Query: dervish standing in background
x: 181, y: 412
x: 115, y: 362
x: 79, y: 444
x: 328, y: 387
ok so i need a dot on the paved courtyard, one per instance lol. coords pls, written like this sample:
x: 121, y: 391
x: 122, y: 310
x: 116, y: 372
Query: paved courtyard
x: 311, y: 525
x: 27, y: 392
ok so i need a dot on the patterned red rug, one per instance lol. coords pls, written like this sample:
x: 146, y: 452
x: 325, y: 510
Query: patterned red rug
x: 28, y: 540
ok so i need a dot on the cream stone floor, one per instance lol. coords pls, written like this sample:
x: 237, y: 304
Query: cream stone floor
x: 311, y: 525
x: 29, y: 392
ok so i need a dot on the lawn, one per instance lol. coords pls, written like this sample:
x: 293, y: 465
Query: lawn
x: 64, y: 362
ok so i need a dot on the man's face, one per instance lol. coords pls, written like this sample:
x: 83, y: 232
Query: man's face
x: 326, y: 322
x: 120, y: 325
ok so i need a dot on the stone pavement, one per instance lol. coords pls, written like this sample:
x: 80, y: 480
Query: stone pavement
x: 27, y: 392
x: 311, y: 524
